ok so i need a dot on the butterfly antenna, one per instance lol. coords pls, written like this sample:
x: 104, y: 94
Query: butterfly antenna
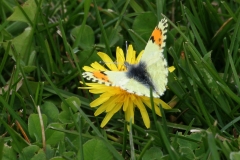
x: 126, y: 43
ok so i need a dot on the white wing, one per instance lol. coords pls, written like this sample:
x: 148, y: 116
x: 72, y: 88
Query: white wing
x: 121, y: 80
x: 156, y: 43
x: 153, y: 57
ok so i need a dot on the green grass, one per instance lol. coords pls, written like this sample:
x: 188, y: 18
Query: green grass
x: 45, y: 44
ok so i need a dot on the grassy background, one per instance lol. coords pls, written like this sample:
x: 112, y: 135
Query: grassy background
x: 44, y: 45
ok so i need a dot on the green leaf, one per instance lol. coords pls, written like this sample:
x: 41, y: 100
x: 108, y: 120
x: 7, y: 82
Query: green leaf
x: 34, y: 126
x: 86, y: 36
x: 21, y: 44
x: 5, y: 35
x: 29, y: 7
x: 144, y: 24
x: 69, y: 154
x: 53, y: 137
x: 24, y: 88
x: 153, y: 153
x: 28, y: 69
x: 40, y: 155
x: 58, y: 158
x: 8, y: 153
x: 1, y: 147
x: 65, y: 116
x: 28, y: 152
x: 187, y: 153
x: 142, y: 30
x: 88, y: 56
x: 51, y: 111
x: 95, y: 149
x: 73, y: 102
x: 235, y: 155
x: 190, y: 144
x: 113, y: 36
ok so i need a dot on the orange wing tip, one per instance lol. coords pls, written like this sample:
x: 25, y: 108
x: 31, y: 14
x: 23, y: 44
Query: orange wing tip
x: 98, y: 77
x: 159, y: 33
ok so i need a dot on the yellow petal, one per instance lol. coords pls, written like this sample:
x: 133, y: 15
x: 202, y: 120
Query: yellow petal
x: 109, y: 115
x: 98, y: 66
x: 116, y: 108
x: 139, y: 56
x: 129, y: 113
x: 117, y: 91
x: 111, y: 103
x: 157, y: 110
x: 143, y: 112
x: 98, y: 101
x: 131, y: 55
x: 126, y: 104
x: 101, y: 109
x: 108, y: 61
x: 99, y: 89
x: 96, y: 91
x: 96, y: 85
x: 88, y: 69
x: 120, y: 59
x: 171, y: 69
x: 164, y: 104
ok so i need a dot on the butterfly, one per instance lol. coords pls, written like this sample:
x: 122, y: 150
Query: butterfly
x: 150, y: 72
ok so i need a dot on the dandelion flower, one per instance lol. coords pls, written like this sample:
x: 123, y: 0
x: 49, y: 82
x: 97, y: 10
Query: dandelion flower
x: 113, y: 98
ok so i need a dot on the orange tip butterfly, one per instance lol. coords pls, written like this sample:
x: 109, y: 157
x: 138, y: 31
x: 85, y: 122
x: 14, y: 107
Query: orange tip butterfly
x: 150, y: 72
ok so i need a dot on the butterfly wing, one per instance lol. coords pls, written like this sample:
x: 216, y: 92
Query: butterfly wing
x: 153, y: 51
x: 135, y: 87
x: 108, y: 78
x: 118, y: 79
x: 153, y: 57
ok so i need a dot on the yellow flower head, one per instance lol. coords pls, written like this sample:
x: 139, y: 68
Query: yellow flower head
x: 112, y: 99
